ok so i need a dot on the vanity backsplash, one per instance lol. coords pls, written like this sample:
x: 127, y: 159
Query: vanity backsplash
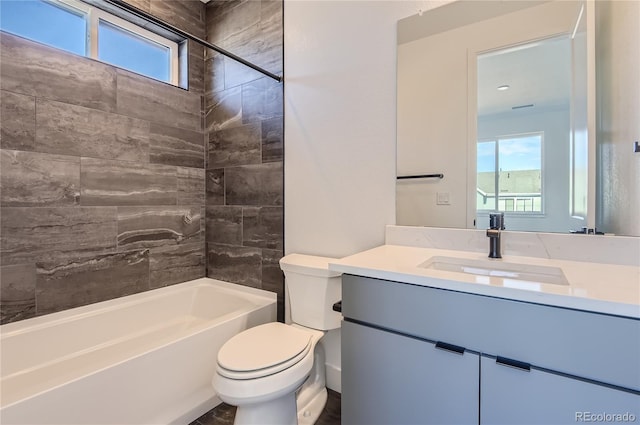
x: 620, y: 250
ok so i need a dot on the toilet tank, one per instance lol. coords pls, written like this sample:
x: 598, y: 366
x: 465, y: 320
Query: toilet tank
x: 312, y: 290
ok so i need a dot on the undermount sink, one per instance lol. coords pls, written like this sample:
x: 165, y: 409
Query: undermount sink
x: 498, y: 268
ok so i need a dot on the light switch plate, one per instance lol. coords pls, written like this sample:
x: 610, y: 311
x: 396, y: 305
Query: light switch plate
x: 442, y: 198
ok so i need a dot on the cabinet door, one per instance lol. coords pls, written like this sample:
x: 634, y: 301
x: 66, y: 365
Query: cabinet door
x: 393, y: 379
x: 514, y: 396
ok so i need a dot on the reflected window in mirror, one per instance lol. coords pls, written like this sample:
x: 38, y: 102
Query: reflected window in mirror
x: 509, y: 174
x: 525, y: 134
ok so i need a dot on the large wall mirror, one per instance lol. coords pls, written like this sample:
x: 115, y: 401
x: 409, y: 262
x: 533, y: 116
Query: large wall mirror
x: 526, y: 107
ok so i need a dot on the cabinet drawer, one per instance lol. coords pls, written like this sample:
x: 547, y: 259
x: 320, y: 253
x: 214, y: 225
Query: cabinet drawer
x: 511, y: 396
x: 594, y: 346
x: 393, y: 379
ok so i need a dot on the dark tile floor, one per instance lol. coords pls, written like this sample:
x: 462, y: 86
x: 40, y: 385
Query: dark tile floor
x: 224, y: 414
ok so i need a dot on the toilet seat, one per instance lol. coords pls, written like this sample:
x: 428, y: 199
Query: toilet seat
x: 262, y: 351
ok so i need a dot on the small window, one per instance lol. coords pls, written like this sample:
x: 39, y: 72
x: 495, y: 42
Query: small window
x: 509, y: 174
x: 128, y: 46
x: 86, y: 30
x: 54, y: 23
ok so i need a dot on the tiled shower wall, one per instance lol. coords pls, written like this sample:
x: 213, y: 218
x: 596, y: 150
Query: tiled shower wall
x: 102, y: 175
x: 244, y: 130
x: 102, y: 180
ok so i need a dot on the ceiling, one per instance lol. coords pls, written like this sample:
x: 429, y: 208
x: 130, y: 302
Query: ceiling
x: 537, y: 73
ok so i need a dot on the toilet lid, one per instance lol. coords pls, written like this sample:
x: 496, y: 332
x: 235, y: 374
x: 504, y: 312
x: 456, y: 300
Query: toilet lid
x: 263, y: 350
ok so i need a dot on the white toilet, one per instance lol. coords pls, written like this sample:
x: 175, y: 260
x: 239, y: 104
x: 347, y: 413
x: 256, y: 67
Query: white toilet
x: 275, y: 373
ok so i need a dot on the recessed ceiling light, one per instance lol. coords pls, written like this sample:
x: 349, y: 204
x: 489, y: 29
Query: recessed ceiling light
x: 503, y: 87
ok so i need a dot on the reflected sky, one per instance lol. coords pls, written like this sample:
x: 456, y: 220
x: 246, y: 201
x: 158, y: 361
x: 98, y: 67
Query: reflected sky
x: 517, y: 153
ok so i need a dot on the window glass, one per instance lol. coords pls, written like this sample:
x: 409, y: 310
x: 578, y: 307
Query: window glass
x: 45, y: 22
x: 86, y: 30
x: 127, y: 50
x: 510, y: 178
x: 486, y: 190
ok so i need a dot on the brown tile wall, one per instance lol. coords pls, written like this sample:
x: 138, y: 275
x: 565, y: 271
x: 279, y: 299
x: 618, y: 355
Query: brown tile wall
x: 102, y: 179
x: 244, y: 130
x: 105, y: 174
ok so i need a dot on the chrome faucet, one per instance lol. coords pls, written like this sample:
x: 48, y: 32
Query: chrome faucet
x: 494, y: 233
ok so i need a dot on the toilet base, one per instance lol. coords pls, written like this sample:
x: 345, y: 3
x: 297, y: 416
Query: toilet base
x: 309, y: 413
x: 281, y: 411
x: 312, y: 396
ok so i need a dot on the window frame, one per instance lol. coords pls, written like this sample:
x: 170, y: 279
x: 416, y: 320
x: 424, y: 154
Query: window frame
x: 98, y: 15
x: 94, y: 15
x: 496, y: 140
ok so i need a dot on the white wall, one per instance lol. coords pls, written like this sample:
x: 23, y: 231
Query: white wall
x: 618, y: 103
x: 340, y: 129
x: 432, y: 128
x: 340, y: 123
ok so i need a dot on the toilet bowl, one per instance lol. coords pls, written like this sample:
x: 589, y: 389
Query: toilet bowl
x: 275, y: 373
x: 259, y: 371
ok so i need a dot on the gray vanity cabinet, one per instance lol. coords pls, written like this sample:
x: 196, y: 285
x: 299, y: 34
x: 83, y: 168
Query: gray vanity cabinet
x: 554, y: 363
x: 396, y: 379
x: 514, y: 396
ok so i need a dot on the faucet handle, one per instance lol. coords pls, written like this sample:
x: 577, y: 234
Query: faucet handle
x: 496, y: 221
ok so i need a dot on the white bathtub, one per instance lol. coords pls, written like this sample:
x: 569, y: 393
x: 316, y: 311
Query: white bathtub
x: 143, y: 359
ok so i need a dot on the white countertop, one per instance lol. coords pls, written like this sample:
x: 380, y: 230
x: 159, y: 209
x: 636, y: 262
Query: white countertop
x: 603, y: 288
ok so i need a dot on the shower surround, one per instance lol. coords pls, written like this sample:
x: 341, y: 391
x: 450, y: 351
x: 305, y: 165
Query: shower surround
x: 244, y: 118
x: 102, y: 172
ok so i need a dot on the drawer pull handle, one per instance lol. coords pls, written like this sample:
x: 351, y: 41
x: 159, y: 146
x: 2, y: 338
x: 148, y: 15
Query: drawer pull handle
x: 513, y: 363
x: 450, y: 347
